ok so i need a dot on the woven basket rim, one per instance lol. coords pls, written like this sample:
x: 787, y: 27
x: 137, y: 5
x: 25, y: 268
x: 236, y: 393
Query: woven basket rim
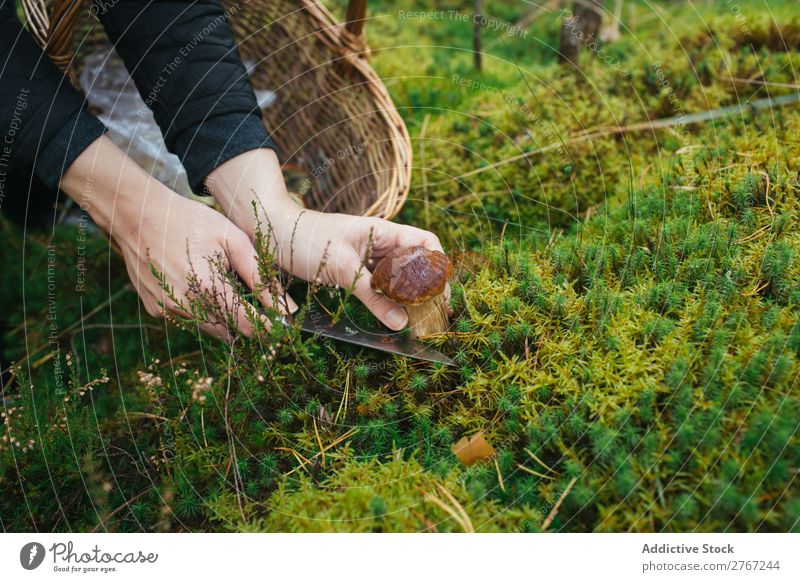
x: 391, y: 201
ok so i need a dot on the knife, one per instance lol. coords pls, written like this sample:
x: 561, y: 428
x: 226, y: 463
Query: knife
x: 320, y: 323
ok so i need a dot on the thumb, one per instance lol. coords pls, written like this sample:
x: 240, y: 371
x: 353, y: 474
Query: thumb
x: 390, y: 314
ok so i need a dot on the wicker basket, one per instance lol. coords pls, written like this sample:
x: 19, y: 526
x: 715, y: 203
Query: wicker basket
x: 332, y: 117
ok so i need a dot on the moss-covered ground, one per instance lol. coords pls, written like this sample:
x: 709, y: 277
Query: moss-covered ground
x: 625, y: 315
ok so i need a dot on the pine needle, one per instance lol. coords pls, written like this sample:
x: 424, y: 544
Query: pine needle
x: 538, y: 460
x: 499, y: 476
x: 532, y: 472
x: 553, y: 512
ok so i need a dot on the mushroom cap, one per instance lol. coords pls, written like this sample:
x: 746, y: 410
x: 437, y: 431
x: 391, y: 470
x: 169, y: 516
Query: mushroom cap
x: 411, y: 275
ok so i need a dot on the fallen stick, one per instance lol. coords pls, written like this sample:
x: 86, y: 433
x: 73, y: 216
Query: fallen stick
x: 69, y: 329
x: 691, y: 118
x: 553, y: 512
x: 104, y: 521
x: 763, y: 83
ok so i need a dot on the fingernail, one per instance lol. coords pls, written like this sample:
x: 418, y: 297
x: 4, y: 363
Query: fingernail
x: 267, y: 325
x: 396, y: 318
x: 286, y: 305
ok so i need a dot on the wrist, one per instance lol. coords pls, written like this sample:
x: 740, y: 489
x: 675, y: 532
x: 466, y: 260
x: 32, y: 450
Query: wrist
x: 113, y: 189
x: 253, y: 178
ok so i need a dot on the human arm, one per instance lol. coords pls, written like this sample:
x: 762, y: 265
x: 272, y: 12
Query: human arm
x: 43, y: 119
x: 303, y: 238
x: 155, y: 226
x: 243, y: 171
x: 184, y: 62
x: 48, y: 132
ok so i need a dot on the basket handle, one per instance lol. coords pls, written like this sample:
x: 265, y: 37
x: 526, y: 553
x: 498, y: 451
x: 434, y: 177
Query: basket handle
x: 354, y: 29
x: 53, y: 32
x: 356, y: 11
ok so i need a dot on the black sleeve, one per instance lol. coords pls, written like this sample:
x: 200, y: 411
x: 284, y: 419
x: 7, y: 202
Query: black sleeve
x: 184, y: 62
x: 43, y: 123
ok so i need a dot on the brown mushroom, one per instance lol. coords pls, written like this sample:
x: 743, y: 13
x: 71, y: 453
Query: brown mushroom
x: 415, y: 278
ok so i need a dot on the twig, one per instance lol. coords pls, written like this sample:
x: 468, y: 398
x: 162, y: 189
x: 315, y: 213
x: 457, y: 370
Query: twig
x: 343, y: 403
x: 465, y: 524
x: 678, y: 120
x: 325, y: 449
x: 149, y: 415
x: 319, y: 441
x: 117, y: 510
x: 538, y: 460
x: 753, y: 235
x: 449, y: 510
x: 762, y: 83
x: 476, y: 37
x: 68, y: 329
x: 234, y: 461
x: 553, y: 512
x: 298, y: 457
x: 458, y: 507
x: 532, y: 472
x: 766, y: 193
x: 499, y: 476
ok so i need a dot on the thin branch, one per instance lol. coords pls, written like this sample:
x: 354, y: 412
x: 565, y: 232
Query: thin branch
x: 553, y: 512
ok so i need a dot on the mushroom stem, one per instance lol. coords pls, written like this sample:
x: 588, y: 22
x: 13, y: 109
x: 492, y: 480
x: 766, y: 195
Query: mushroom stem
x: 428, y: 318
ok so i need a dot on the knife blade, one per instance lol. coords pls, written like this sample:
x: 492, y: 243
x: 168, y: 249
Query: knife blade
x: 320, y: 323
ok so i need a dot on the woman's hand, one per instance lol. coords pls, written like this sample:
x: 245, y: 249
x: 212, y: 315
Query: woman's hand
x: 339, y: 249
x: 153, y: 225
x: 178, y: 236
x: 310, y: 244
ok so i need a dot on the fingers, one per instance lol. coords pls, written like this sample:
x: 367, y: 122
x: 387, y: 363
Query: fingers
x: 240, y: 317
x: 154, y: 298
x: 157, y: 304
x: 155, y: 309
x: 430, y: 241
x: 389, y: 235
x: 242, y: 257
x: 217, y: 331
x: 239, y: 312
x: 388, y: 313
x: 407, y: 236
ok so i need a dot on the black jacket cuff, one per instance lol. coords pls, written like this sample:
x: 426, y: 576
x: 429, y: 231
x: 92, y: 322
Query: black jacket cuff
x: 77, y: 133
x: 215, y: 141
